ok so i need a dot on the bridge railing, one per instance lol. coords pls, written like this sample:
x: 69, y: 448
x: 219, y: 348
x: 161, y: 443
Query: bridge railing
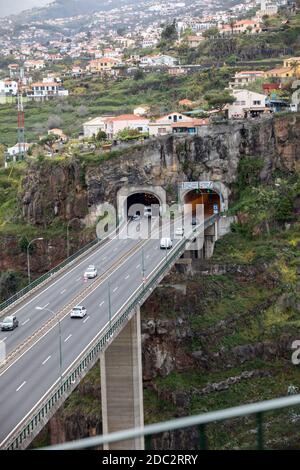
x: 21, y: 293
x: 45, y: 276
x: 89, y: 356
x: 200, y: 422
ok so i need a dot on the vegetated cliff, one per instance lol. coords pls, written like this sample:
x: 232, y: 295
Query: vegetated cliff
x: 221, y: 335
x: 66, y: 189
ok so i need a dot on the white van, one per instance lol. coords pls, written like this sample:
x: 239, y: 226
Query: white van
x: 147, y: 211
x: 166, y: 243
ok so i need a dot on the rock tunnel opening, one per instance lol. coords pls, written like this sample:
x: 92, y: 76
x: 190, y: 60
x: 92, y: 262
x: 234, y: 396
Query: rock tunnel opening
x: 208, y: 197
x: 143, y: 204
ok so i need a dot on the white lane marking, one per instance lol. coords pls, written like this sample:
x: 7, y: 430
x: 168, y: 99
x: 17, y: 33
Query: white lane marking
x: 46, y: 360
x: 148, y: 256
x: 67, y: 338
x: 104, y: 258
x: 116, y: 288
x: 100, y: 305
x: 86, y: 319
x: 128, y: 276
x: 138, y: 266
x: 63, y: 291
x: 22, y: 385
x: 44, y: 306
x: 70, y: 366
x: 156, y: 248
x: 26, y: 321
x: 3, y: 339
x: 71, y: 270
x: 66, y: 315
x: 78, y: 279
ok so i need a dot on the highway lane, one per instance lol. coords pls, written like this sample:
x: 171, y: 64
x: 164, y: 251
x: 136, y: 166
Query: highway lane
x: 28, y: 379
x: 56, y: 294
x: 61, y: 291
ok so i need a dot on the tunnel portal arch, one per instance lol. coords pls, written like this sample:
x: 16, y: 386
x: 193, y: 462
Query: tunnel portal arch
x: 145, y: 195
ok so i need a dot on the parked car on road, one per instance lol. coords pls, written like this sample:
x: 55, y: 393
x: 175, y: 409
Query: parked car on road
x: 78, y: 312
x: 9, y: 323
x: 90, y: 272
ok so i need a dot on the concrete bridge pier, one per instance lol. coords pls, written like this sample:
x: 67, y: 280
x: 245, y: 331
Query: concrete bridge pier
x: 210, y: 238
x: 122, y: 384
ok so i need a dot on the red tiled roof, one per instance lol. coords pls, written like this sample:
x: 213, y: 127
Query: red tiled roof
x: 194, y: 122
x: 126, y: 117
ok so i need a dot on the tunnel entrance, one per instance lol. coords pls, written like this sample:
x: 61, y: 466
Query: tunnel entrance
x: 208, y: 197
x: 143, y: 204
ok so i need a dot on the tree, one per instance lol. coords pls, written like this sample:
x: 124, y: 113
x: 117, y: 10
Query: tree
x: 54, y: 121
x: 169, y: 33
x: 101, y: 135
x: 82, y: 111
x: 210, y: 33
x: 218, y: 99
x: 138, y: 75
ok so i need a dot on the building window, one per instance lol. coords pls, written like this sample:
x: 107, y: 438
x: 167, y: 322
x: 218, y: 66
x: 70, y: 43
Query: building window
x: 257, y: 103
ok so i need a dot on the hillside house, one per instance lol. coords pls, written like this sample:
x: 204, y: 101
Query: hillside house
x: 247, y: 104
x: 46, y: 90
x: 245, y: 77
x: 115, y: 124
x: 163, y: 125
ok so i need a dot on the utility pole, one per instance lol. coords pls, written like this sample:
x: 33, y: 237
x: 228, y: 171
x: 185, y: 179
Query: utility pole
x: 21, y: 118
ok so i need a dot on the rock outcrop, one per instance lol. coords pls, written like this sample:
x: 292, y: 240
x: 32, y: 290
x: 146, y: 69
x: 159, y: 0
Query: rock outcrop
x: 68, y: 189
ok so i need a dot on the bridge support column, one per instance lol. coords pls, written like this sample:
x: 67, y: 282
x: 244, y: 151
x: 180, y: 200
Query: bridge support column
x: 122, y: 384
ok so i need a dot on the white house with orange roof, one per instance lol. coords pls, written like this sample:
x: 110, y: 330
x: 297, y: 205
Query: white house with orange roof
x: 46, y: 89
x: 34, y: 65
x: 8, y: 87
x: 164, y: 124
x: 115, y: 124
x: 252, y: 26
x: 245, y: 77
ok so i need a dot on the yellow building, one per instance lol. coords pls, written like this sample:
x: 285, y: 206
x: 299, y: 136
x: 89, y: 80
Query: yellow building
x: 290, y: 69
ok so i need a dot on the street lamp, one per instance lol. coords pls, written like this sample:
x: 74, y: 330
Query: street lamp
x: 143, y: 266
x: 59, y: 330
x: 68, y: 241
x: 109, y: 304
x: 28, y: 259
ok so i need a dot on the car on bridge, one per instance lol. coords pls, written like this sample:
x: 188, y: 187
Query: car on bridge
x: 179, y: 231
x: 9, y: 323
x: 78, y: 312
x: 166, y: 243
x: 91, y: 272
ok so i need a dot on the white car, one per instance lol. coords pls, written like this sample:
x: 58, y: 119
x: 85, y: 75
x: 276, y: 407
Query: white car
x: 179, y: 231
x: 78, y: 312
x: 166, y: 243
x: 90, y: 272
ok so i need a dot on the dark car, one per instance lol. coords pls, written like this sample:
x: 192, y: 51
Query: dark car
x: 9, y: 323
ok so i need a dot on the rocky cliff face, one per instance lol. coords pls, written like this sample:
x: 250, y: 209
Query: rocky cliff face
x: 67, y: 190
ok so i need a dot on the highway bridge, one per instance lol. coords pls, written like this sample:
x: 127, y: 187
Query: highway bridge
x: 49, y: 353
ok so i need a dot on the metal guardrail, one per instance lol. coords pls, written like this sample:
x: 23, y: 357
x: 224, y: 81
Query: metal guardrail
x: 200, y: 421
x: 37, y: 282
x: 92, y: 352
x: 45, y: 276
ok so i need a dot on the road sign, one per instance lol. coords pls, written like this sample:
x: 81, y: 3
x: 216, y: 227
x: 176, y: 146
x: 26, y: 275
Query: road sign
x: 206, y: 184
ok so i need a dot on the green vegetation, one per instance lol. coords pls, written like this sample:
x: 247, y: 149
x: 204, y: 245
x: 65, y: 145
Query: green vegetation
x: 97, y: 97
